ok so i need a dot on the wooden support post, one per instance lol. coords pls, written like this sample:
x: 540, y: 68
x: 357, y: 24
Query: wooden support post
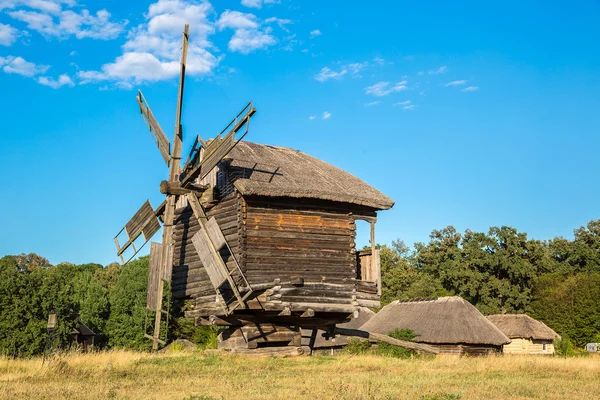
x: 375, y: 260
x: 174, y: 170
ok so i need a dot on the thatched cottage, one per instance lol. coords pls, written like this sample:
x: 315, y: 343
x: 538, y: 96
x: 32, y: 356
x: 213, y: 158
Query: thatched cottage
x: 451, y: 324
x: 528, y: 335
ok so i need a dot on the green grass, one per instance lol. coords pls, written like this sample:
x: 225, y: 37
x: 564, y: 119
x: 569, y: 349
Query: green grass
x: 194, y: 376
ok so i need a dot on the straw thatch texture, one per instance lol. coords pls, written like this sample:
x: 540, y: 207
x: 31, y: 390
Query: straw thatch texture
x: 445, y: 320
x: 522, y: 326
x: 264, y: 170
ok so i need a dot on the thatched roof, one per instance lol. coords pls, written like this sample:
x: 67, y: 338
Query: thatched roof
x: 263, y: 170
x: 449, y: 320
x: 522, y: 326
x: 338, y: 340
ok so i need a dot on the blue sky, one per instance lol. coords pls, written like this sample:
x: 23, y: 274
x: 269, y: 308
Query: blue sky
x: 469, y: 114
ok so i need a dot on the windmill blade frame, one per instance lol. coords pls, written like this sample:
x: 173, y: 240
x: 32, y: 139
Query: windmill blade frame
x: 164, y: 146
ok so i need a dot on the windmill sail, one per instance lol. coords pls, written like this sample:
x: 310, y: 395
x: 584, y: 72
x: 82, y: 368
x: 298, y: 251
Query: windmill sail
x: 157, y: 133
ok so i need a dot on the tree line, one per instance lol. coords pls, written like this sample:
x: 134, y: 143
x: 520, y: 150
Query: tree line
x: 499, y: 271
x: 504, y: 271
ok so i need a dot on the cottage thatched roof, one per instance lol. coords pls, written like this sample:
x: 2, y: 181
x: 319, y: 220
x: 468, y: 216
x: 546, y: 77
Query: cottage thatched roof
x: 522, y: 326
x: 449, y: 320
x: 263, y: 170
x: 338, y: 340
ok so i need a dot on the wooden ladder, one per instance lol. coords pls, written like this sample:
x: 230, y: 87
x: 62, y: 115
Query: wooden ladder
x: 207, y: 242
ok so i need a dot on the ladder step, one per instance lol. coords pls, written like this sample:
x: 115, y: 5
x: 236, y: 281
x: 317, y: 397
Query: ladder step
x: 154, y: 339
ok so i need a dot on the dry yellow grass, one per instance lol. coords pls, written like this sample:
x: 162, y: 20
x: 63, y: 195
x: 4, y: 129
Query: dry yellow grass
x: 129, y: 375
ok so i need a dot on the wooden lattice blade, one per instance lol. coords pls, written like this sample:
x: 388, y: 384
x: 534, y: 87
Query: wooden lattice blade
x: 157, y: 133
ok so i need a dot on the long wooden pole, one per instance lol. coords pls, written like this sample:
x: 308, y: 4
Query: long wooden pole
x: 174, y: 170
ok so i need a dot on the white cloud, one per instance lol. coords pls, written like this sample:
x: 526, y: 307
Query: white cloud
x: 379, y: 60
x: 356, y: 68
x: 470, y: 89
x: 152, y: 52
x: 63, y: 80
x: 237, y: 20
x: 455, y: 83
x: 18, y: 65
x: 258, y: 3
x: 282, y: 22
x: 402, y: 103
x: 315, y: 33
x: 384, y: 88
x: 312, y: 117
x: 420, y: 73
x: 326, y: 73
x: 73, y: 53
x: 326, y: 115
x: 248, y: 40
x: 51, y: 21
x: 438, y: 71
x: 409, y: 107
x: 47, y: 6
x: 372, y: 103
x: 8, y: 35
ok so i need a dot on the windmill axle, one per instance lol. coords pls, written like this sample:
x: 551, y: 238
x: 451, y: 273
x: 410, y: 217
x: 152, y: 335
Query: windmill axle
x: 167, y: 188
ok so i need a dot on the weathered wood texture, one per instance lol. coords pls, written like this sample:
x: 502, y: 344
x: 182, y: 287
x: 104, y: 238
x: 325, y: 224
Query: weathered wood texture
x: 281, y: 240
x: 189, y: 275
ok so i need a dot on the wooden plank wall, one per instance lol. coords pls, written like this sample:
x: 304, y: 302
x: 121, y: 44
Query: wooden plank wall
x: 190, y: 280
x: 287, y: 239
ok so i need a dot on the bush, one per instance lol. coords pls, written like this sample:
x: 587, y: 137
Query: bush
x: 357, y: 346
x: 565, y: 348
x: 390, y: 350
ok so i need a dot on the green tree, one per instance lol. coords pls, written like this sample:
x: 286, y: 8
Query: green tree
x: 569, y: 305
x: 125, y: 325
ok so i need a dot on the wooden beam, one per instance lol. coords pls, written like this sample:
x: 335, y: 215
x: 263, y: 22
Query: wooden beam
x: 174, y: 170
x: 378, y: 337
x: 167, y: 187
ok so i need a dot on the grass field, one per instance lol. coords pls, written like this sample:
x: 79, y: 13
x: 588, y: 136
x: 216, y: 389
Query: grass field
x: 129, y: 375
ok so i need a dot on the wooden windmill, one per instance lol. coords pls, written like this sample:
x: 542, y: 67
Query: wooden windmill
x: 180, y: 188
x: 257, y: 239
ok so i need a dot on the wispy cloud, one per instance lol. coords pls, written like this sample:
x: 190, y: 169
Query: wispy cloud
x: 8, y: 35
x: 455, y: 83
x: 372, y: 103
x: 246, y: 41
x: 312, y: 117
x: 379, y: 60
x: 258, y: 3
x: 326, y: 115
x: 63, y: 80
x: 237, y: 20
x: 18, y: 65
x: 470, y: 89
x: 326, y: 73
x: 51, y: 20
x: 402, y: 103
x: 281, y: 22
x: 438, y: 71
x: 409, y: 107
x: 384, y: 88
x: 315, y: 33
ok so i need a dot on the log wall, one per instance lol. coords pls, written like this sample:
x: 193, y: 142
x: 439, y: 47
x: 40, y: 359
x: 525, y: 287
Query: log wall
x: 276, y: 241
x: 190, y: 280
